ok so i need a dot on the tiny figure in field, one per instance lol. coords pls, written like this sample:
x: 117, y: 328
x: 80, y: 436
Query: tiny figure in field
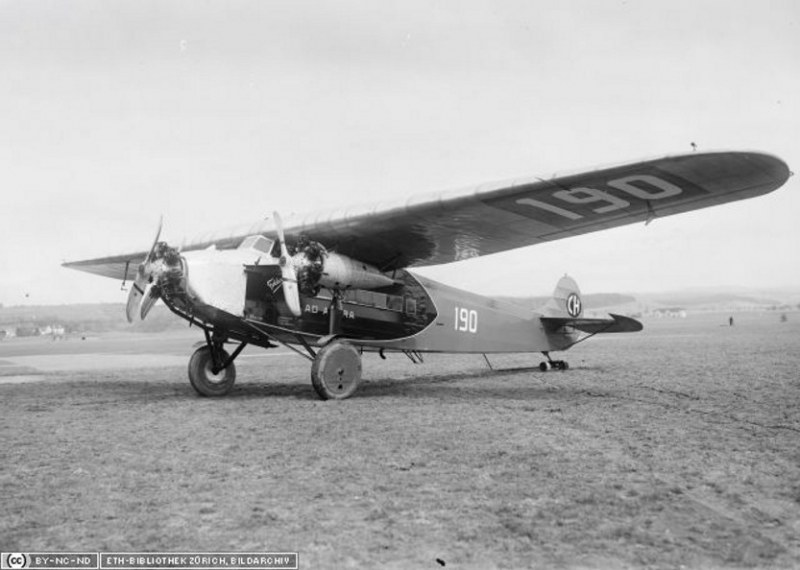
x: 730, y: 321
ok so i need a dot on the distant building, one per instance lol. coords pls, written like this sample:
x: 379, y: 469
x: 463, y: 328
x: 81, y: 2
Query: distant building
x: 669, y: 312
x: 56, y: 331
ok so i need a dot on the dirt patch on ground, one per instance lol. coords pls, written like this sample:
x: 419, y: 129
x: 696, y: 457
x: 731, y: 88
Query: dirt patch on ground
x: 675, y: 446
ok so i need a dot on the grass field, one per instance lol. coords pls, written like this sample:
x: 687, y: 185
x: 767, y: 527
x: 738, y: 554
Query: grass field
x: 677, y: 446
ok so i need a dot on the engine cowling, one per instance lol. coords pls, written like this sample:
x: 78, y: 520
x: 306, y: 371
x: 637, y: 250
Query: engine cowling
x: 317, y: 268
x: 341, y: 272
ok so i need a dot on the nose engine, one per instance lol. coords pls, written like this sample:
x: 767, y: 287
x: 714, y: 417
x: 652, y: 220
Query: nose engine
x: 161, y: 272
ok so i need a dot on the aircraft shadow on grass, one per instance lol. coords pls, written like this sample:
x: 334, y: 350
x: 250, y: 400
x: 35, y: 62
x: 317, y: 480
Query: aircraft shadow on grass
x: 455, y: 386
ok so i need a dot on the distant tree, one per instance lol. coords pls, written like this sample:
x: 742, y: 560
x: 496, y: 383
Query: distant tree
x: 27, y: 330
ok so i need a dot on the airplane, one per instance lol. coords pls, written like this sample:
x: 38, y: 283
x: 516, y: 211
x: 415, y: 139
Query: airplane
x: 331, y: 285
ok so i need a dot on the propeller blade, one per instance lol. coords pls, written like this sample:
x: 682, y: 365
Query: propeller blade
x: 140, y: 291
x: 155, y: 241
x: 281, y: 237
x: 149, y: 299
x: 291, y: 292
x: 134, y: 300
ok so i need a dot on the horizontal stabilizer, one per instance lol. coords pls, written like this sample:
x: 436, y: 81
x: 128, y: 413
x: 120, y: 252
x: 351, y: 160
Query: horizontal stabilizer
x: 617, y: 323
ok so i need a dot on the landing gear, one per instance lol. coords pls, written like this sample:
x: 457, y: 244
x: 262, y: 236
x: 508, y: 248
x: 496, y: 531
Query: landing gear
x: 211, y: 368
x: 336, y: 371
x: 554, y: 364
x: 202, y: 373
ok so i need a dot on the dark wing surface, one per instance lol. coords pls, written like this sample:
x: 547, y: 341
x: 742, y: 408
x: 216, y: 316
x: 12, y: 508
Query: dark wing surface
x: 489, y: 218
x: 496, y: 217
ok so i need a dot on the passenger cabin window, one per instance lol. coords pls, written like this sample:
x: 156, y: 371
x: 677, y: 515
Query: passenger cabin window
x: 394, y: 303
x: 258, y: 243
x: 373, y: 299
x: 411, y: 306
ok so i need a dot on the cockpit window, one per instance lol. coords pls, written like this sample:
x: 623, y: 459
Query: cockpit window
x: 258, y: 243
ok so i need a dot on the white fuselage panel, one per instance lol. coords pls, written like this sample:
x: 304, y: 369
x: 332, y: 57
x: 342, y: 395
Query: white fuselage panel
x: 218, y: 278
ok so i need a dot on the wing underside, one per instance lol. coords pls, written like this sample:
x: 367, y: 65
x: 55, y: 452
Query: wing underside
x: 121, y: 267
x: 451, y: 226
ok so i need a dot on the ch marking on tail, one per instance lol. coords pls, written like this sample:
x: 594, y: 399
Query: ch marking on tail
x: 573, y: 305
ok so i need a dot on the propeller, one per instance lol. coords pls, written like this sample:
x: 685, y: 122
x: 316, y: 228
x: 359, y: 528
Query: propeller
x: 290, y: 289
x: 150, y: 298
x: 141, y: 296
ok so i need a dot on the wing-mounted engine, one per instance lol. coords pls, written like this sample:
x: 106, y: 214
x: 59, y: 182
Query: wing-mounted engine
x: 318, y: 268
x: 312, y: 267
x: 309, y: 259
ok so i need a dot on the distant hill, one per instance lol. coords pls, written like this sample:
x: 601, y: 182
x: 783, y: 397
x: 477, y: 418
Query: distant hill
x: 727, y: 299
x: 90, y: 317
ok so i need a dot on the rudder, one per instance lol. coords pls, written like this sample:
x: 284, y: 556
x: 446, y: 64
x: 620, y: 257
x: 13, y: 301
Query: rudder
x: 566, y: 300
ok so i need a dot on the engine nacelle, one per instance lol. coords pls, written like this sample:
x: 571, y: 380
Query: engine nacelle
x: 342, y: 272
x: 317, y: 268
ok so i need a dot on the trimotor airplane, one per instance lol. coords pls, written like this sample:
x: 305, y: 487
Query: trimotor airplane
x: 332, y: 285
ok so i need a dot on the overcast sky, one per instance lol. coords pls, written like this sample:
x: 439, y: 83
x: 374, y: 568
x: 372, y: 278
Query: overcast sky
x: 215, y: 113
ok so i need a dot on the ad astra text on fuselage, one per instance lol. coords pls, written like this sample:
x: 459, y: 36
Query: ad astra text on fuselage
x: 315, y: 309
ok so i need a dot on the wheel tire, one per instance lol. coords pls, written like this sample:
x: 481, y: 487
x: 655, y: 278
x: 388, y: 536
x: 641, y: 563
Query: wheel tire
x: 336, y: 371
x: 564, y: 365
x: 543, y: 366
x: 205, y: 382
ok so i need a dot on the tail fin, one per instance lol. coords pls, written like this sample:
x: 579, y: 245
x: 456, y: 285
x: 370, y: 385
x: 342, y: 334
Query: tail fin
x: 563, y: 313
x: 566, y: 300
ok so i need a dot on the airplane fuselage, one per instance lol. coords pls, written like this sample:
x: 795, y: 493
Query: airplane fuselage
x: 415, y: 314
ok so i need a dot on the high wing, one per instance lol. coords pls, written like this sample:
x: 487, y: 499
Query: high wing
x: 450, y: 226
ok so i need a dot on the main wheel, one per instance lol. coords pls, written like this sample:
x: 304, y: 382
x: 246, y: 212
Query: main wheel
x: 203, y: 379
x: 336, y: 371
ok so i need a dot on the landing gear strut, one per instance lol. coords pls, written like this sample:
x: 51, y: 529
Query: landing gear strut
x: 554, y: 364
